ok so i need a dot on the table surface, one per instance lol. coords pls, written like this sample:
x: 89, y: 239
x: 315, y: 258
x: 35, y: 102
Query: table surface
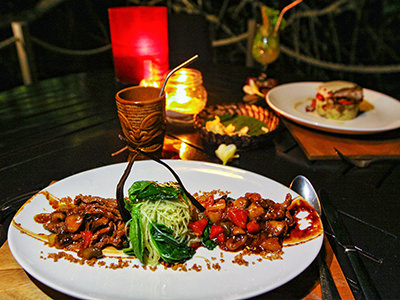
x: 66, y: 125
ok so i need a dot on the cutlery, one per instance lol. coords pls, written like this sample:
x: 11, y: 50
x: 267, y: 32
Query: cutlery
x: 363, y: 163
x: 304, y: 188
x: 343, y: 238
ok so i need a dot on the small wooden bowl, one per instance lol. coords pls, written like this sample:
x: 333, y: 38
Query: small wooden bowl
x: 213, y: 140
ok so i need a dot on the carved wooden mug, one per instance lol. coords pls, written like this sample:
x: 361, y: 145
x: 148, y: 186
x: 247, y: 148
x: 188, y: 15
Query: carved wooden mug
x: 141, y: 112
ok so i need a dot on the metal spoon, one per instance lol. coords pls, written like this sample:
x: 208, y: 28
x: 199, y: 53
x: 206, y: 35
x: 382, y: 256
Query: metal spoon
x: 304, y: 188
x: 185, y: 63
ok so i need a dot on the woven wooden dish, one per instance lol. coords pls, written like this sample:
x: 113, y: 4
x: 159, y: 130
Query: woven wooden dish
x: 211, y: 139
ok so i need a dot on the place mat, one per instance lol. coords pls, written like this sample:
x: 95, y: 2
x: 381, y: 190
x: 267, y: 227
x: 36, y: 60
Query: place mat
x: 15, y: 283
x: 319, y: 145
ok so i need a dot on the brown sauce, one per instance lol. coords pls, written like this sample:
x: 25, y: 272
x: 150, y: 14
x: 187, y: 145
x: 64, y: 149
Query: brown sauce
x: 308, y: 223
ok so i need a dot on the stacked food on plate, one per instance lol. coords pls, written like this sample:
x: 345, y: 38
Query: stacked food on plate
x: 337, y: 100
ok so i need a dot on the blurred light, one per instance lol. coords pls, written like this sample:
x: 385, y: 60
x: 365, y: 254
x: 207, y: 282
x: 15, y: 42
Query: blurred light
x: 139, y: 39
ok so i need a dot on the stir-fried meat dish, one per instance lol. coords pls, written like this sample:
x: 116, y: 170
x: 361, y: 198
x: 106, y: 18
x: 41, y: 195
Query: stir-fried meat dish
x: 248, y: 222
x: 86, y: 224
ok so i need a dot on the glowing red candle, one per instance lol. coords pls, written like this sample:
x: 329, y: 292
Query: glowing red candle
x: 139, y: 39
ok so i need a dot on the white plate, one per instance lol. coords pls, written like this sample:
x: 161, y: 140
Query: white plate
x: 231, y: 282
x: 290, y: 100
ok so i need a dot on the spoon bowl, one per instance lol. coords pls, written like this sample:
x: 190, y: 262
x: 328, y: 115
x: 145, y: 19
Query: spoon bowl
x: 304, y: 188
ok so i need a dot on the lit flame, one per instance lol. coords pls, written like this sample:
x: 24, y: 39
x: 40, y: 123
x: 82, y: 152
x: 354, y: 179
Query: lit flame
x: 180, y: 96
x: 184, y: 148
x: 151, y: 83
x: 151, y: 75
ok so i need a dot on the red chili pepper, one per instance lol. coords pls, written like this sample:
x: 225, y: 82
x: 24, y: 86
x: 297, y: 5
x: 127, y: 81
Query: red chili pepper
x: 238, y: 216
x: 221, y: 238
x: 87, y: 238
x: 319, y: 96
x: 253, y: 226
x: 346, y: 102
x: 215, y: 231
x: 198, y: 226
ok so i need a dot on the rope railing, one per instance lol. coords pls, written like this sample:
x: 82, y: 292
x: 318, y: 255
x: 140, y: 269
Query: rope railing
x: 65, y: 51
x: 317, y: 62
x: 8, y: 42
x: 341, y: 67
x: 377, y: 69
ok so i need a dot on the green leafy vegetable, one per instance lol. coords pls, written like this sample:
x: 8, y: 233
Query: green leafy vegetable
x: 135, y: 234
x: 148, y: 203
x: 205, y: 238
x: 169, y: 248
x: 151, y: 190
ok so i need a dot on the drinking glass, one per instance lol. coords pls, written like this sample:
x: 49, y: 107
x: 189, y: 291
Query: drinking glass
x: 265, y: 49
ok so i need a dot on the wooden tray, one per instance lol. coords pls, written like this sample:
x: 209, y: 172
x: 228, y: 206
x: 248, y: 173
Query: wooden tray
x: 318, y: 145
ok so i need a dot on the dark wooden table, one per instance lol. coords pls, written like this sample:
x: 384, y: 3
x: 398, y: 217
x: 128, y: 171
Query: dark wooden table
x: 66, y: 125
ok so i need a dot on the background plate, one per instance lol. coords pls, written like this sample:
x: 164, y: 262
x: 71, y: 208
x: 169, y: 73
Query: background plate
x: 290, y: 100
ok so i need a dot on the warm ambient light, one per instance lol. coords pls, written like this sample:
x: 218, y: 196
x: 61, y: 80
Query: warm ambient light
x: 185, y: 94
x: 139, y: 39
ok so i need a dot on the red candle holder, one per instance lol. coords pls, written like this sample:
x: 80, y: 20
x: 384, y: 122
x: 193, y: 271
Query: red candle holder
x: 139, y: 40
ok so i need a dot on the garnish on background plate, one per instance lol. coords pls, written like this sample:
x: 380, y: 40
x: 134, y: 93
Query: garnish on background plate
x: 226, y: 153
x: 234, y: 124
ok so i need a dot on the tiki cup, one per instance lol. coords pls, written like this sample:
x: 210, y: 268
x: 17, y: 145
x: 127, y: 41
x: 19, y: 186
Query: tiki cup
x: 141, y: 112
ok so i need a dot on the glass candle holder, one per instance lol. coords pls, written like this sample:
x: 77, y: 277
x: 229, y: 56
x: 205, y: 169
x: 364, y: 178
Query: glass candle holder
x: 185, y: 96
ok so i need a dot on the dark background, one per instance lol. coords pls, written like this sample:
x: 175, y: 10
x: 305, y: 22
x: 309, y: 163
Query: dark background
x: 352, y: 32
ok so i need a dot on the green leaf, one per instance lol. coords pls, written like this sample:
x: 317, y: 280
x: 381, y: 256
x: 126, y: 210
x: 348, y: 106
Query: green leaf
x: 205, y: 238
x: 239, y: 121
x: 168, y: 247
x: 135, y: 234
x: 151, y: 190
x: 273, y: 16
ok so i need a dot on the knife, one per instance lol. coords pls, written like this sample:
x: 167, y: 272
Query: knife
x: 343, y: 238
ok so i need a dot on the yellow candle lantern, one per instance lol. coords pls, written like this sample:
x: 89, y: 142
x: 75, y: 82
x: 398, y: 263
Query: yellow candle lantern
x: 185, y: 96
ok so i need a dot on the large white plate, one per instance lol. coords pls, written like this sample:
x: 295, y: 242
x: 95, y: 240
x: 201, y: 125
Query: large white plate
x: 231, y: 282
x: 290, y: 101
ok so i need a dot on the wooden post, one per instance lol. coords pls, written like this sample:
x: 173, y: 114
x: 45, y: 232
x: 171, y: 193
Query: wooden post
x: 25, y: 53
x: 251, y: 31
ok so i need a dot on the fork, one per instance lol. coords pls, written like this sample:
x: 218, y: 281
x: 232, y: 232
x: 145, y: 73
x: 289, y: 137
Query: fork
x: 363, y: 163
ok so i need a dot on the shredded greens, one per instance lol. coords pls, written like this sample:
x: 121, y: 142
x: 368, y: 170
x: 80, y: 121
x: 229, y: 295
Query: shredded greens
x: 159, y: 225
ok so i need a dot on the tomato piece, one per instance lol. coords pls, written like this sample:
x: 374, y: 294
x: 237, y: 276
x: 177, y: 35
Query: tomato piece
x: 253, y: 226
x: 238, y: 216
x: 215, y: 231
x: 319, y: 97
x: 346, y: 102
x: 87, y: 238
x: 221, y: 238
x: 198, y: 226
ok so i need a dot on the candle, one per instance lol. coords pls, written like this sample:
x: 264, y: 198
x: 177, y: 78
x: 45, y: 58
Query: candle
x: 139, y: 40
x: 185, y: 92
